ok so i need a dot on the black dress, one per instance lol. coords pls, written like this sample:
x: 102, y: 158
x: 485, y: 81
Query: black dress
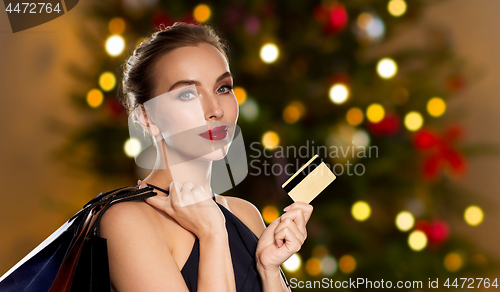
x: 242, y: 245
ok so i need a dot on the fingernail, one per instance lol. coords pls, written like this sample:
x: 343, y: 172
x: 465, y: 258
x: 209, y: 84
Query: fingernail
x: 286, y: 208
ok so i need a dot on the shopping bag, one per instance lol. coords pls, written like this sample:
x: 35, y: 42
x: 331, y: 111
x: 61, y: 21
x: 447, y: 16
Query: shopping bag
x: 74, y: 257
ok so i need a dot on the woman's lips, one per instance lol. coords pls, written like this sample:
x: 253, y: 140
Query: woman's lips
x: 217, y: 133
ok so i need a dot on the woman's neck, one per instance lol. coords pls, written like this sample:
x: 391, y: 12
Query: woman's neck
x: 196, y: 171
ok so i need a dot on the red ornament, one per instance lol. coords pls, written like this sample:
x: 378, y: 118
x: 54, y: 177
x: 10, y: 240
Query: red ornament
x: 388, y: 126
x: 160, y: 17
x: 437, y: 232
x: 113, y: 107
x: 442, y: 155
x: 334, y: 17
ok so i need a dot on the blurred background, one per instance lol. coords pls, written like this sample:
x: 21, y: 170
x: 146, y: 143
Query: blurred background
x: 416, y: 79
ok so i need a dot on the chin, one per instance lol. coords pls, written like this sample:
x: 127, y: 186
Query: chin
x: 217, y: 154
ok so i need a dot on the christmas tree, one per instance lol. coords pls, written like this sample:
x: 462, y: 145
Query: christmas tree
x: 311, y: 74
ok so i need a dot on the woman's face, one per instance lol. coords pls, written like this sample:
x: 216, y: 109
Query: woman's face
x: 195, y: 108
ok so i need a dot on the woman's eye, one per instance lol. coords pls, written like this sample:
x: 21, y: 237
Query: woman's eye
x: 227, y: 87
x: 186, y: 95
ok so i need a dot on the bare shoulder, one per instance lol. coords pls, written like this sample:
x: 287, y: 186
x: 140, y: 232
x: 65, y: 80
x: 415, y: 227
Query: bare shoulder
x: 247, y: 213
x: 138, y: 258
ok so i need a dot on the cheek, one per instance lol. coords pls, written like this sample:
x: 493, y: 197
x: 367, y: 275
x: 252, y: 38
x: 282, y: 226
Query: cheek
x: 231, y: 109
x: 178, y: 119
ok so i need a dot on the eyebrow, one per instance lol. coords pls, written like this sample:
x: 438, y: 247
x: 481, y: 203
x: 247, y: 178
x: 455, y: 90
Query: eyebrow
x: 196, y: 82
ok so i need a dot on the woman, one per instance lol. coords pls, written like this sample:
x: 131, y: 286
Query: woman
x: 186, y: 238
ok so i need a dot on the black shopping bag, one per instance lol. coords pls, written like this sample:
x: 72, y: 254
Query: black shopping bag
x: 74, y: 257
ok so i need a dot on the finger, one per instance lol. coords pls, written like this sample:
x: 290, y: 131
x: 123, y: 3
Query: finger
x: 288, y: 223
x: 187, y: 187
x: 297, y: 216
x: 162, y: 203
x: 306, y: 208
x: 291, y: 241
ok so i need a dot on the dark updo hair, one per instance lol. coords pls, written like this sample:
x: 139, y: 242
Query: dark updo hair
x: 138, y: 76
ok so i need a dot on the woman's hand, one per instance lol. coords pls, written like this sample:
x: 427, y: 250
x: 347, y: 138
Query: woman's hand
x: 192, y: 208
x: 283, y: 237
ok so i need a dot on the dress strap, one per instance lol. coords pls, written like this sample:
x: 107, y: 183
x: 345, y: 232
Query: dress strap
x: 165, y: 191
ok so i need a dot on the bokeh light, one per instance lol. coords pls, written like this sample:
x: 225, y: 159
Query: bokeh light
x: 201, y: 13
x: 338, y: 93
x: 387, y: 68
x: 436, y: 106
x: 269, y: 53
x: 95, y: 97
x: 115, y: 45
x: 405, y: 221
x: 107, y: 81
x: 329, y: 265
x: 293, y: 263
x: 241, y: 94
x: 293, y: 112
x: 375, y: 113
x: 413, y: 121
x: 270, y: 139
x: 473, y: 215
x: 319, y: 251
x: 132, y: 147
x: 270, y: 213
x: 313, y: 266
x: 360, y: 138
x: 417, y: 240
x: 453, y: 262
x: 347, y: 264
x: 396, y: 7
x: 354, y: 116
x: 249, y: 110
x: 116, y: 25
x: 361, y: 210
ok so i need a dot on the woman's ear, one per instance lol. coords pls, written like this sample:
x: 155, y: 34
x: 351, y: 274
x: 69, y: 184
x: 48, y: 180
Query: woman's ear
x: 145, y: 122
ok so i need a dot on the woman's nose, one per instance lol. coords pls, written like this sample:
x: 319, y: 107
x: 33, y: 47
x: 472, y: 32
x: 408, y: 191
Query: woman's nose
x: 211, y: 107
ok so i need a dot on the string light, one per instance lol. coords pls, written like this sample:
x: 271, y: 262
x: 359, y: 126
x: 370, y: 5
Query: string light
x: 116, y: 25
x: 404, y: 221
x: 386, y: 68
x: 338, y: 93
x: 249, y: 110
x: 95, y: 98
x: 361, y: 210
x: 329, y: 265
x: 360, y: 138
x: 313, y: 266
x: 417, y: 240
x: 270, y: 213
x: 270, y: 139
x: 473, y: 215
x: 396, y: 7
x: 241, y: 94
x: 436, y: 106
x: 354, y: 116
x: 202, y: 13
x: 375, y: 113
x: 293, y: 263
x: 413, y: 121
x: 453, y: 262
x: 347, y: 264
x: 107, y: 81
x: 269, y: 53
x: 115, y: 45
x: 132, y: 147
x: 293, y: 112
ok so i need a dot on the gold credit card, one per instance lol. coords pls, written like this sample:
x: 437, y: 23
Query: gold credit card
x: 309, y: 181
